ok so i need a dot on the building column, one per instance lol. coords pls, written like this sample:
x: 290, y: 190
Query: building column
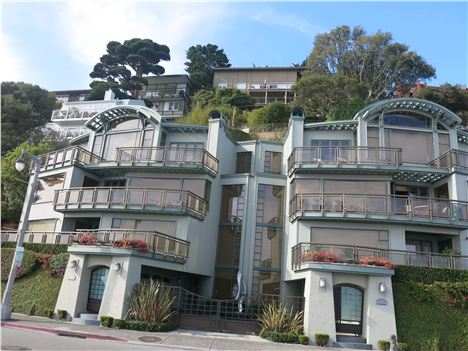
x: 119, y: 285
x: 319, y: 308
x: 380, y: 311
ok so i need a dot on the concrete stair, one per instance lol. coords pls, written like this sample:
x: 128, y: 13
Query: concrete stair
x: 351, y: 342
x: 87, y: 319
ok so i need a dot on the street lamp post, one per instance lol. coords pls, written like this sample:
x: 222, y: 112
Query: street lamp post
x: 28, y: 200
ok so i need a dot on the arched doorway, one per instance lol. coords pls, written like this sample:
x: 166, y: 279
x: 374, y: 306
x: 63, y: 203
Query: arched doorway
x: 97, y: 285
x: 348, y: 309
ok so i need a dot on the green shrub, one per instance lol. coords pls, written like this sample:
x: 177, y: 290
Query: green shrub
x: 403, y: 346
x: 430, y: 344
x: 286, y: 338
x: 32, y: 310
x: 146, y: 326
x: 28, y: 265
x: 322, y: 339
x: 135, y: 325
x: 383, y: 345
x: 48, y: 313
x: 39, y: 248
x: 151, y: 302
x: 58, y: 263
x: 62, y: 315
x: 107, y: 321
x: 303, y: 340
x: 119, y: 323
x: 429, y: 275
x: 278, y: 318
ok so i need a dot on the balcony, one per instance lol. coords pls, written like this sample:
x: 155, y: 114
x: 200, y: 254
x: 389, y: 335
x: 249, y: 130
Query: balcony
x: 67, y: 157
x: 159, y: 244
x: 74, y: 114
x: 352, y: 254
x: 156, y: 159
x: 170, y: 202
x: 452, y: 158
x: 381, y: 208
x: 362, y: 160
x: 179, y: 159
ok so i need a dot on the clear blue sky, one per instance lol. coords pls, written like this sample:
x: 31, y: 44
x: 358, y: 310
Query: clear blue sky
x: 56, y: 44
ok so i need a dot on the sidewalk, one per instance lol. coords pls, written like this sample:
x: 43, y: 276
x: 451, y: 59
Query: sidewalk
x: 193, y: 339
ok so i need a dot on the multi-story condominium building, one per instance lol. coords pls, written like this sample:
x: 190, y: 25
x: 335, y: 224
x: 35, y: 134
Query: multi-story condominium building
x: 225, y: 219
x: 71, y: 95
x: 170, y: 94
x: 264, y: 84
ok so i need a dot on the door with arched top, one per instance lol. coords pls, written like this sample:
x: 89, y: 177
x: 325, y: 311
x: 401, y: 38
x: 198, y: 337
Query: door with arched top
x: 348, y: 309
x: 97, y: 285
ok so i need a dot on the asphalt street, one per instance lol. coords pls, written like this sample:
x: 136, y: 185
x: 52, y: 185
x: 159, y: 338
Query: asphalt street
x: 25, y: 340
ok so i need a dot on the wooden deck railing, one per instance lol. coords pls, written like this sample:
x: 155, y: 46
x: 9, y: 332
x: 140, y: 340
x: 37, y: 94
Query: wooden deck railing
x: 384, y: 205
x: 352, y: 254
x: 157, y: 242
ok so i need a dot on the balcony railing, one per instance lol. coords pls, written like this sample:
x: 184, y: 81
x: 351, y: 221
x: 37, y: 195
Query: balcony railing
x: 352, y: 254
x: 68, y: 156
x: 158, y: 243
x: 168, y: 156
x: 73, y: 114
x: 344, y: 155
x: 384, y: 206
x: 118, y: 198
x: 452, y: 158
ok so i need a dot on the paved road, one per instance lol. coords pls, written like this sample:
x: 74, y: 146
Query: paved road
x: 19, y: 340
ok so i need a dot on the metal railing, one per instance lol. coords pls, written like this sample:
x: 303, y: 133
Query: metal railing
x: 384, y: 205
x: 352, y: 254
x: 189, y: 303
x: 344, y: 155
x: 157, y: 242
x: 130, y: 198
x: 168, y: 156
x: 73, y: 113
x: 68, y: 156
x: 452, y: 158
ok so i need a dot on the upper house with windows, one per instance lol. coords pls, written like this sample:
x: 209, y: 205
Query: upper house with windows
x: 264, y: 84
x: 391, y: 183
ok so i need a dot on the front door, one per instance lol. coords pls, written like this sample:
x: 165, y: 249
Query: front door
x: 348, y: 309
x: 96, y: 288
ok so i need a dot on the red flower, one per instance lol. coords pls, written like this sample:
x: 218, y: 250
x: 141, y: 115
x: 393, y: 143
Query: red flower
x: 322, y: 256
x: 131, y: 244
x: 87, y: 240
x: 451, y: 301
x: 375, y: 261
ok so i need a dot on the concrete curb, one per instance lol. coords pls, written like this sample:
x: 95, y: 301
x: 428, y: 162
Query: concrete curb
x: 62, y: 332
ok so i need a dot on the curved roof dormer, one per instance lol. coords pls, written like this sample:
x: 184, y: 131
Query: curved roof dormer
x: 411, y: 105
x: 117, y: 114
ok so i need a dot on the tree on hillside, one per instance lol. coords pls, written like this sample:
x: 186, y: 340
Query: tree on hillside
x: 24, y: 107
x: 232, y: 97
x: 14, y: 184
x: 450, y: 96
x: 123, y: 67
x: 276, y: 112
x: 373, y: 60
x: 330, y: 96
x: 201, y: 61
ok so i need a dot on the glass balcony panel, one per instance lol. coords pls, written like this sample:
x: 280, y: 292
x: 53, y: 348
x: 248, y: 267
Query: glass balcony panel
x: 61, y: 197
x: 463, y: 160
x: 74, y: 196
x: 420, y: 207
x: 346, y: 155
x: 136, y: 196
x: 173, y: 199
x: 440, y: 208
x: 102, y: 196
x: 333, y: 203
x: 377, y: 204
x: 459, y: 211
x: 161, y: 244
x: 399, y: 206
x: 154, y: 197
x: 418, y: 259
x: 355, y: 203
x: 68, y: 154
x: 440, y: 261
x: 172, y: 248
x: 328, y: 154
x: 87, y: 196
x: 311, y: 202
x: 117, y: 196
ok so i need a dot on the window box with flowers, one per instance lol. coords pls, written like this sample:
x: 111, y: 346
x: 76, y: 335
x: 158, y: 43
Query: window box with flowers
x: 130, y: 244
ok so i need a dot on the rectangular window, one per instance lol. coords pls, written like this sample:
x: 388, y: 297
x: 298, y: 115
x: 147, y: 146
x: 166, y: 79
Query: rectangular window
x: 272, y: 162
x: 233, y: 203
x: 444, y: 143
x: 329, y: 149
x: 270, y: 201
x: 241, y: 86
x: 42, y: 225
x: 304, y: 186
x: 243, y: 162
x: 97, y: 145
x: 373, y: 137
x: 46, y: 187
x: 222, y: 85
x: 416, y: 147
x: 355, y: 187
x: 225, y: 282
x: 229, y: 239
x: 356, y: 237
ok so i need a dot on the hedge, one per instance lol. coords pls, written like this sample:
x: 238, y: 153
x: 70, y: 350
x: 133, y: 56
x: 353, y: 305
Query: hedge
x: 28, y: 265
x: 429, y: 275
x: 143, y: 326
x: 287, y: 338
x: 58, y: 263
x: 39, y: 248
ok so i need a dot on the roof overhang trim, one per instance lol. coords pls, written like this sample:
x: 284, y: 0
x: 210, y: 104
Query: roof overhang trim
x: 338, y: 125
